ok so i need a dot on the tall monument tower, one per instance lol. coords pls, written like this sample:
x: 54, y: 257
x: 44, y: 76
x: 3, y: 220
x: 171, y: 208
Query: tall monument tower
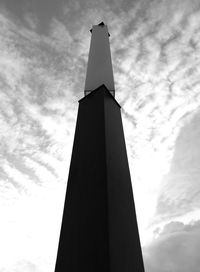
x: 99, y: 231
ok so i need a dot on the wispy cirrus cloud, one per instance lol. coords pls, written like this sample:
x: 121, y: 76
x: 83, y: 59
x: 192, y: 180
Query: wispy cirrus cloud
x: 157, y: 77
x: 37, y: 124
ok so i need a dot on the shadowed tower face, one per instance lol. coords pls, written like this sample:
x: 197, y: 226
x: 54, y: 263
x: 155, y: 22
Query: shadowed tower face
x: 99, y: 231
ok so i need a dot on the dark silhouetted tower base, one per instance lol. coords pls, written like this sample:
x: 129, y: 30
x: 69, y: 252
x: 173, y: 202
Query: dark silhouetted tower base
x: 99, y: 230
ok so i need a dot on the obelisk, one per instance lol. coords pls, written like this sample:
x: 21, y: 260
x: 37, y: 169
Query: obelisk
x: 99, y: 231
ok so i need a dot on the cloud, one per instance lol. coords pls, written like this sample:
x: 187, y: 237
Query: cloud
x: 153, y: 61
x: 176, y: 249
x: 180, y: 189
x: 22, y: 266
x: 32, y: 20
x: 37, y: 120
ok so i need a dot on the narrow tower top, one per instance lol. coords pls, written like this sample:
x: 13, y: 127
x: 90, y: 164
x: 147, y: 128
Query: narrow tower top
x: 99, y: 70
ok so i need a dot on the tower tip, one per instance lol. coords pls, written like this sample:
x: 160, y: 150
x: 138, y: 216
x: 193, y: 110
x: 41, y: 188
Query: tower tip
x: 101, y: 24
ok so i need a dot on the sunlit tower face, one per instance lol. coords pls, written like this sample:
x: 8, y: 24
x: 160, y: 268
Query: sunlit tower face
x: 99, y: 69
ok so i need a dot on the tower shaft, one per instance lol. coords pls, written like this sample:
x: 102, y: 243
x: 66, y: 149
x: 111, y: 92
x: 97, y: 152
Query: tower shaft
x: 99, y: 231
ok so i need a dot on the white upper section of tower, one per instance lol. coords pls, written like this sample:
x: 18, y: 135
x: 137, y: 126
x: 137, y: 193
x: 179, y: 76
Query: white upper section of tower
x: 99, y: 70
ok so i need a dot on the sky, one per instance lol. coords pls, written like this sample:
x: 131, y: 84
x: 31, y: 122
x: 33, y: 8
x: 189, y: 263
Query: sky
x: 155, y: 48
